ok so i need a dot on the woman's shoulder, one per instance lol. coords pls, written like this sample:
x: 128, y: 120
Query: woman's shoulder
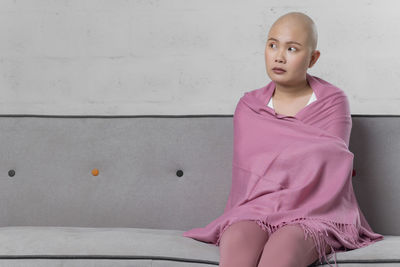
x: 323, y: 88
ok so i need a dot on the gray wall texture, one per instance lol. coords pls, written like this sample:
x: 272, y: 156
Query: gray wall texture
x: 148, y: 57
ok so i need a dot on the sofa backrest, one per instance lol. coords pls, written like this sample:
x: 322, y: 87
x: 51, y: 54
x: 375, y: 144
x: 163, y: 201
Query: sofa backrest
x: 169, y: 172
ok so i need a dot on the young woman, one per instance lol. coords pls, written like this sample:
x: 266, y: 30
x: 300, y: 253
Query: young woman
x: 291, y: 169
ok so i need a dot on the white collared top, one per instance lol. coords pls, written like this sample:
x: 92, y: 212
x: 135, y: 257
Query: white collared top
x: 312, y: 99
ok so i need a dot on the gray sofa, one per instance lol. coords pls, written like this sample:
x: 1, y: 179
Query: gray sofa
x: 158, y: 177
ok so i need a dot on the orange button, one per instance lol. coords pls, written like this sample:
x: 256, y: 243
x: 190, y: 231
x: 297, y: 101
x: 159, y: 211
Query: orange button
x: 95, y: 172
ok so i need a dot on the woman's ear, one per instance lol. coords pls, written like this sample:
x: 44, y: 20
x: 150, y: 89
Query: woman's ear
x: 314, y: 57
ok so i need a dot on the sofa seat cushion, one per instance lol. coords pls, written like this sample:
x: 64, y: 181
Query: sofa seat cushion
x: 151, y: 247
x: 144, y: 244
x: 382, y: 253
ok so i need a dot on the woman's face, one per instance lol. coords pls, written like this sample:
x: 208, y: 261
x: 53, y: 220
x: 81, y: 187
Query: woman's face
x: 287, y: 48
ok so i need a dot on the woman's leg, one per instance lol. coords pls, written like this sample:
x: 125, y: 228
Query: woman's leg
x: 241, y: 244
x: 286, y: 247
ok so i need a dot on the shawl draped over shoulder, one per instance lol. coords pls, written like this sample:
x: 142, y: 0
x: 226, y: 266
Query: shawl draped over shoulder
x: 294, y: 170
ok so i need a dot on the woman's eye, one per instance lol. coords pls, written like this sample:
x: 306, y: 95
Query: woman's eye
x: 293, y: 48
x: 271, y: 44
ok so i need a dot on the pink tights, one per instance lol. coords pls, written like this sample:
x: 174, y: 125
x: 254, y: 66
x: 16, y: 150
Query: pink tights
x: 244, y: 244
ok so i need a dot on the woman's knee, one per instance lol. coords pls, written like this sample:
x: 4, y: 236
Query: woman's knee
x: 244, y: 231
x: 287, y: 247
x: 241, y: 244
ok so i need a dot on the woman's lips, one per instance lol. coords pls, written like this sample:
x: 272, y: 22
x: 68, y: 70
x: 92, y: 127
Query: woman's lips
x: 279, y: 70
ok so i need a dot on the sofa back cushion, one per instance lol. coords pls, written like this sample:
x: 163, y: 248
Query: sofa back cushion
x: 169, y: 172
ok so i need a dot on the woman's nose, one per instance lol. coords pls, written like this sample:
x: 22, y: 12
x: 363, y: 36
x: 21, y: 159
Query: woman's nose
x: 279, y: 57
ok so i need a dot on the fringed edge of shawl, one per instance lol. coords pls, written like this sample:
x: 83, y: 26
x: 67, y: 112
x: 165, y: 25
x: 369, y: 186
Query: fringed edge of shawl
x: 313, y: 227
x: 349, y: 232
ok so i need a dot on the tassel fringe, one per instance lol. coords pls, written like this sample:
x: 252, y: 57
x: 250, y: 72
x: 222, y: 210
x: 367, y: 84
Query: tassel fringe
x: 316, y: 228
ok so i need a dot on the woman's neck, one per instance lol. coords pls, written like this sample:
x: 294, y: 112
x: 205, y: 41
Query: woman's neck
x: 292, y: 92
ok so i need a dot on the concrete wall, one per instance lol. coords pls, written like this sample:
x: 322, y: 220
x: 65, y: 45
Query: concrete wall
x: 178, y: 57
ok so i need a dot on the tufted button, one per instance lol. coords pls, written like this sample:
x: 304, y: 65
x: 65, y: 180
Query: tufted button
x: 95, y: 172
x: 11, y: 173
x: 179, y: 173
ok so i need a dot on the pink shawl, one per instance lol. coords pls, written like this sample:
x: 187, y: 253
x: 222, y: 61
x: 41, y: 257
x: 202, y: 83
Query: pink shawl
x: 294, y: 170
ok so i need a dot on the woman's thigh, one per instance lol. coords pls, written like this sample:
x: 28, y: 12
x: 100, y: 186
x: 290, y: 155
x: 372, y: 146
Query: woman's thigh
x: 241, y: 244
x: 286, y: 247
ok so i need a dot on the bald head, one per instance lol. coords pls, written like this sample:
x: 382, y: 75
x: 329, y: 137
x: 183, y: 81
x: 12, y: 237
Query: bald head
x: 299, y: 26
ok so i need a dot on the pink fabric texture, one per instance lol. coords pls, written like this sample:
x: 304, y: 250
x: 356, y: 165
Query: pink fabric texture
x: 294, y: 169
